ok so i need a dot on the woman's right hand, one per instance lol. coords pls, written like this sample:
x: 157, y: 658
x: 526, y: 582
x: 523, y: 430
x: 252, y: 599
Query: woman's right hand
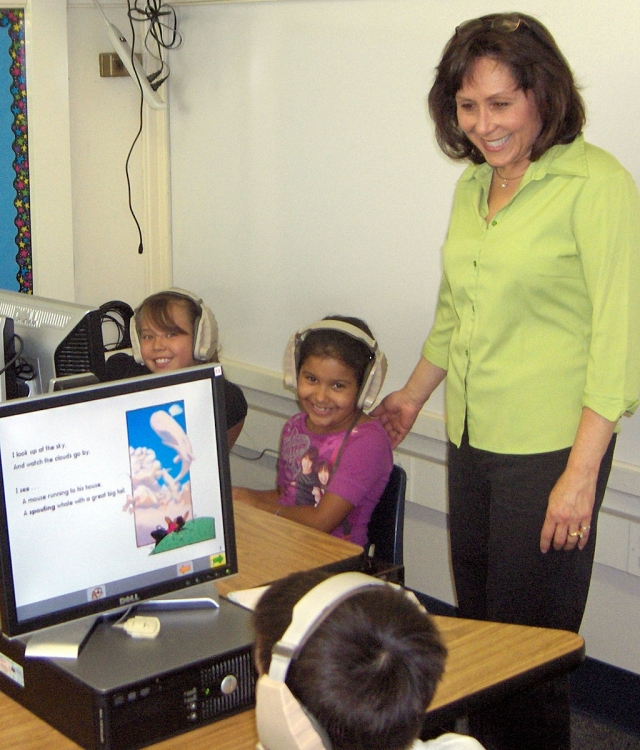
x: 397, y: 413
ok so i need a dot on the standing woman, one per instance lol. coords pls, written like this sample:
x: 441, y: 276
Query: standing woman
x: 537, y: 333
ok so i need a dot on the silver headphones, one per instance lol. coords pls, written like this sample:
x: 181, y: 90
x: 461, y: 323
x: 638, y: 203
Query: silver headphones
x: 205, y: 329
x: 374, y: 377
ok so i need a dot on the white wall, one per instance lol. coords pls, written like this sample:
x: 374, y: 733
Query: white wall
x: 306, y: 180
x: 104, y: 122
x: 105, y: 118
x: 305, y: 175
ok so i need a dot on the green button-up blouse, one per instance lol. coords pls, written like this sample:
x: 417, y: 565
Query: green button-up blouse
x: 539, y: 310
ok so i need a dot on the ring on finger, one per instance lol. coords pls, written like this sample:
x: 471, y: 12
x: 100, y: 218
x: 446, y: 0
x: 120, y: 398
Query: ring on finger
x: 585, y: 528
x: 578, y: 534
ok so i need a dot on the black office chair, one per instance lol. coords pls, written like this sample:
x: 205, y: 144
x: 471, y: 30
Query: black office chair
x: 386, y: 526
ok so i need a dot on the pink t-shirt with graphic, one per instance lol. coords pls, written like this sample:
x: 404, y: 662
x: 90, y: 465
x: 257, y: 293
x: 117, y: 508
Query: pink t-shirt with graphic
x: 306, y: 464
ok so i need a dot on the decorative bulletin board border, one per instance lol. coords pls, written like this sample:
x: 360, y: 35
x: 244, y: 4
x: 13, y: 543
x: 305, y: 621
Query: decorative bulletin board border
x: 15, y: 204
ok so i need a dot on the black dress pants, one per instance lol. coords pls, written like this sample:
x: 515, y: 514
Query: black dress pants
x: 497, y: 505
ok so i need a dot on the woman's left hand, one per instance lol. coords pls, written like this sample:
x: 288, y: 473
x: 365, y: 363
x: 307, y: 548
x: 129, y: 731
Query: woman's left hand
x: 568, y: 519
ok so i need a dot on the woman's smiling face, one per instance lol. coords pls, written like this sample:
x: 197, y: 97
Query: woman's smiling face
x: 500, y: 119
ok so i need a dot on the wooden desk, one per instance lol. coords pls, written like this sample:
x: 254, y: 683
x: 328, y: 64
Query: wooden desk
x: 270, y: 547
x: 486, y: 660
x: 489, y: 660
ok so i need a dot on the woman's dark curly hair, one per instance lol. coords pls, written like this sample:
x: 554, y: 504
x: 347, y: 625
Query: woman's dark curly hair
x: 525, y: 46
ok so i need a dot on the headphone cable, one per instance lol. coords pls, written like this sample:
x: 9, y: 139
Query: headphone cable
x: 16, y: 356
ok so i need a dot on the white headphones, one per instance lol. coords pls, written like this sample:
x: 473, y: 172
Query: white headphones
x: 374, y: 377
x: 283, y: 723
x: 205, y: 329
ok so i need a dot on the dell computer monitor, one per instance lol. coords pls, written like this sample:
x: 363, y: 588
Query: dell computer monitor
x: 57, y: 338
x: 112, y: 494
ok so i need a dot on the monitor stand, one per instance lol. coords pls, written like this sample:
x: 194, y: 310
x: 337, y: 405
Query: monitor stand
x: 66, y: 641
x: 60, y: 641
x: 201, y: 596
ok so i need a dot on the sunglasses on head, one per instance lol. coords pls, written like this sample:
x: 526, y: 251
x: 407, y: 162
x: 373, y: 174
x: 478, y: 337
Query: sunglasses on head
x: 506, y: 24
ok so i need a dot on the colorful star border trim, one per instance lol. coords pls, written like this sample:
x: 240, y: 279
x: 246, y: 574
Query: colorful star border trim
x: 13, y: 21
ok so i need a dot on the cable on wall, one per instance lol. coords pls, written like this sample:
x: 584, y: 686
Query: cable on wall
x: 162, y: 34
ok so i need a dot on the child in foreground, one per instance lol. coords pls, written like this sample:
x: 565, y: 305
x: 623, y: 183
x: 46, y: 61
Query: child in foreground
x: 335, y: 460
x: 171, y: 330
x: 361, y: 665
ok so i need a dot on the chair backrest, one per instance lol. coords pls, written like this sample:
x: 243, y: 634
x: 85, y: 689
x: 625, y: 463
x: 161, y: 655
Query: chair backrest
x: 386, y: 526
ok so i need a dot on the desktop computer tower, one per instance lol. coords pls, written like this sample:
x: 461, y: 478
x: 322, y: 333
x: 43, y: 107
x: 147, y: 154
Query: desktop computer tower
x: 124, y: 693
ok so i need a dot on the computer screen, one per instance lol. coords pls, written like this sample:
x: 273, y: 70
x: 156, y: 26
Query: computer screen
x: 112, y: 494
x: 57, y: 338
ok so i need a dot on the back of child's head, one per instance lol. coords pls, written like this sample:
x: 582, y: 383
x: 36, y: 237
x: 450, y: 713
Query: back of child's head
x: 327, y: 342
x: 369, y: 670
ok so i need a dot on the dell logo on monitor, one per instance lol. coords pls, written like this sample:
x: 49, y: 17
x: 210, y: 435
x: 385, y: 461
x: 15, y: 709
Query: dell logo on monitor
x: 129, y: 599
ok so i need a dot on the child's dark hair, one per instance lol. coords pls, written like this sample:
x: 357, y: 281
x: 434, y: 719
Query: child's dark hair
x: 156, y: 309
x: 325, y: 342
x: 367, y: 673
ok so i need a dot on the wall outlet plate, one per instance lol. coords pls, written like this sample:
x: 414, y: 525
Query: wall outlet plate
x: 111, y: 66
